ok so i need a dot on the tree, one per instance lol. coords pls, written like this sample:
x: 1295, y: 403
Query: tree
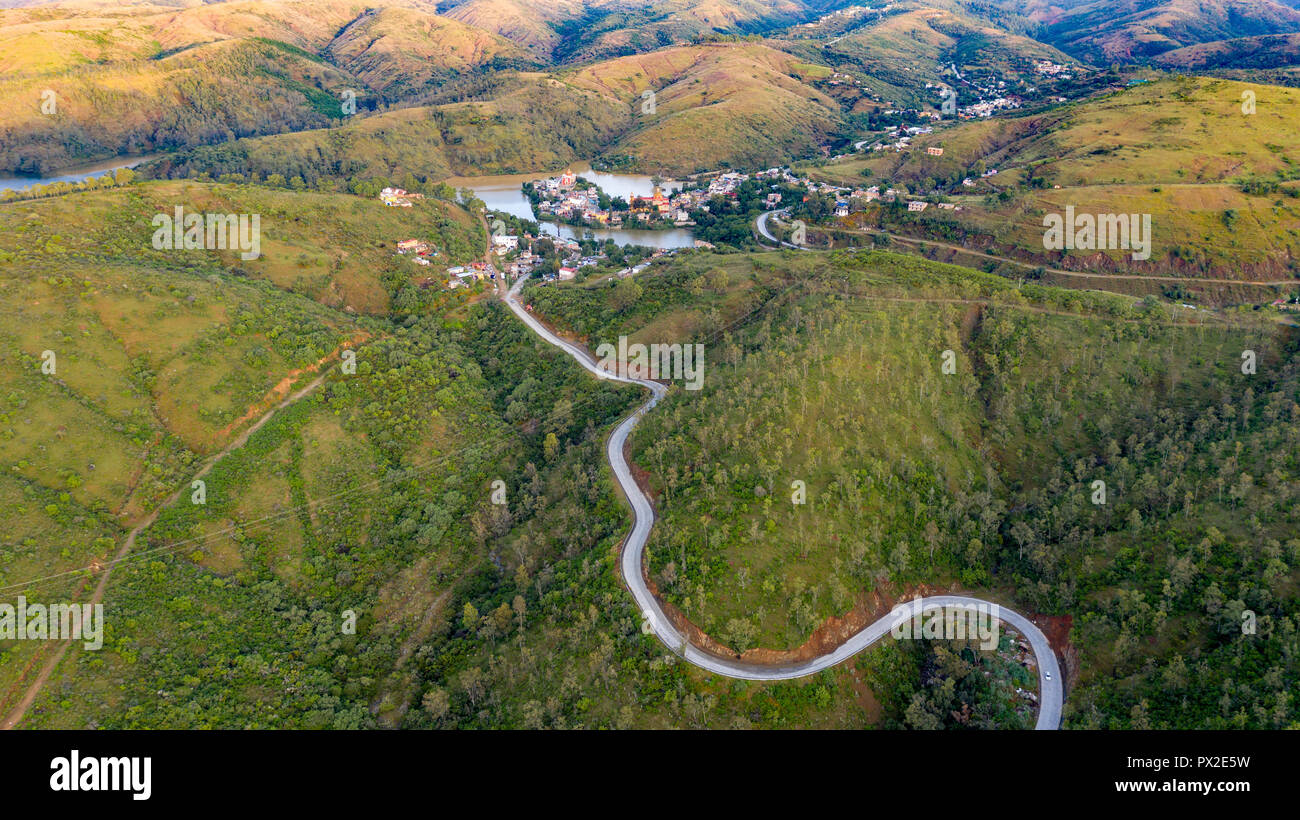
x: 501, y: 617
x: 437, y: 703
x: 471, y: 680
x: 920, y: 716
x: 741, y: 633
x: 625, y: 294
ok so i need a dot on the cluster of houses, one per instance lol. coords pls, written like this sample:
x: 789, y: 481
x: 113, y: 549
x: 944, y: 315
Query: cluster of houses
x: 992, y: 172
x: 987, y: 108
x: 845, y: 14
x: 516, y: 254
x: 990, y: 94
x: 421, y: 252
x: 1051, y: 69
x: 562, y: 200
x: 522, y: 265
x: 525, y: 262
x: 675, y: 208
x: 845, y: 198
x: 398, y: 197
x: 899, y: 138
x: 843, y: 207
x: 463, y: 275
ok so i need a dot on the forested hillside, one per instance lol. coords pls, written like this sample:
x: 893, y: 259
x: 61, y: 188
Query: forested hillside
x: 982, y: 480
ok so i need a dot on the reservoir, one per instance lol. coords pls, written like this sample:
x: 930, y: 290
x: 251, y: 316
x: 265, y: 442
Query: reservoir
x: 76, y: 173
x: 503, y: 193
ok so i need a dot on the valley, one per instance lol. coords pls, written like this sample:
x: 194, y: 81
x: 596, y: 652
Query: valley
x: 996, y: 306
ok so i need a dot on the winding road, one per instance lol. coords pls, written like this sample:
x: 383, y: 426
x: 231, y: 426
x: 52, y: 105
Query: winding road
x: 1049, y: 674
x: 761, y: 225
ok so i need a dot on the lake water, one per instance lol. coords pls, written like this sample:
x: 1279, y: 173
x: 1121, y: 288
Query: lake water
x: 76, y: 173
x: 503, y: 193
x: 499, y: 193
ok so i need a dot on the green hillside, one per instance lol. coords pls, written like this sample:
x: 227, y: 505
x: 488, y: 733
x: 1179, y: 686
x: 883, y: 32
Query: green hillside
x: 1220, y: 184
x: 827, y: 370
x: 336, y: 249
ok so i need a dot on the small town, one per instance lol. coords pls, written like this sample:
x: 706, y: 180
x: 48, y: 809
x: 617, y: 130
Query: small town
x: 569, y: 198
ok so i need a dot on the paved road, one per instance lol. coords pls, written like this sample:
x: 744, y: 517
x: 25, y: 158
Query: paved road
x: 1049, y: 675
x: 761, y: 224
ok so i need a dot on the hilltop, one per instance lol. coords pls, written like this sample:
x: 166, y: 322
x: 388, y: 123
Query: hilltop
x: 898, y: 53
x: 736, y: 104
x: 568, y: 31
x: 335, y: 249
x: 400, y: 51
x: 534, y: 122
x: 1180, y: 149
x: 1263, y: 52
x: 1103, y: 31
x: 714, y: 105
x: 148, y: 78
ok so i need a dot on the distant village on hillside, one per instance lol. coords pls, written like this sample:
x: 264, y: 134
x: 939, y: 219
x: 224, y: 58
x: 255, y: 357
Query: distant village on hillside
x: 571, y: 199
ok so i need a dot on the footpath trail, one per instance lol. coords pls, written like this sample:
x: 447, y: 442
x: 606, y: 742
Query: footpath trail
x: 16, y: 714
x: 761, y: 225
x: 1050, y: 685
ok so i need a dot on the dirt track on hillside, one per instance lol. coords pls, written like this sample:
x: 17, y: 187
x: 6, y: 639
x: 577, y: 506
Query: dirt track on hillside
x: 16, y: 715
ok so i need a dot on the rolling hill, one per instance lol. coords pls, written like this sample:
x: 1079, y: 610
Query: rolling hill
x: 899, y: 52
x: 335, y: 249
x: 451, y: 494
x: 827, y: 377
x: 734, y: 104
x: 538, y: 124
x: 1263, y: 52
x: 399, y: 51
x: 153, y: 77
x: 1220, y: 184
x: 1104, y: 31
x: 569, y: 31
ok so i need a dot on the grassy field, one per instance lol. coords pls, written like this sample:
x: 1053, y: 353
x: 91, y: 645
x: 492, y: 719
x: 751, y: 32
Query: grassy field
x: 896, y: 54
x: 152, y: 371
x: 721, y: 104
x: 336, y: 249
x: 161, y: 359
x: 732, y: 104
x: 373, y: 496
